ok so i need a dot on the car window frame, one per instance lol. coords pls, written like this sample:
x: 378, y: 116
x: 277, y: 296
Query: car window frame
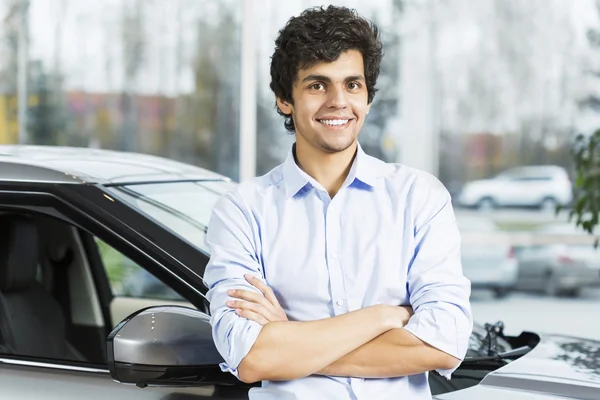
x: 175, y: 261
x: 54, y: 201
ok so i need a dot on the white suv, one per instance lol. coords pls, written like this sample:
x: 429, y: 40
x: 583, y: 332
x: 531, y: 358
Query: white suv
x: 531, y: 186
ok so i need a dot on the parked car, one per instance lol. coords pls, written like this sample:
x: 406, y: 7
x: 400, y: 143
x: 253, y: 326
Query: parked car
x: 561, y: 262
x: 539, y: 186
x: 488, y: 258
x: 67, y: 333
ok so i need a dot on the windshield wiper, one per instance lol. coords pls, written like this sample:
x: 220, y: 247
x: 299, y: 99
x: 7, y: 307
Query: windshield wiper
x: 507, y: 355
x: 493, y: 332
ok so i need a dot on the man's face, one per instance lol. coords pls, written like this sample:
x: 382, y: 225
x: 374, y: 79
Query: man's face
x: 330, y: 103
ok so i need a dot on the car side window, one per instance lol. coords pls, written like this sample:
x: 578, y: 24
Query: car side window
x: 128, y: 279
x: 49, y: 313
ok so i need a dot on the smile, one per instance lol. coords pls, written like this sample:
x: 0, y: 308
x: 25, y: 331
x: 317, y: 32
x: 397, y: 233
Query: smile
x: 334, y: 122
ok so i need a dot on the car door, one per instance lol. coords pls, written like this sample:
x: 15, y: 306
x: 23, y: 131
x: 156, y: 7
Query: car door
x: 535, y: 188
x: 32, y: 376
x: 533, y: 263
x: 132, y: 287
x: 55, y: 380
x: 516, y: 191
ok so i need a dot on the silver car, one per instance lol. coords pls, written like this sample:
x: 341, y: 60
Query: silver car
x: 76, y: 225
x: 488, y: 258
x: 561, y: 261
x: 541, y: 186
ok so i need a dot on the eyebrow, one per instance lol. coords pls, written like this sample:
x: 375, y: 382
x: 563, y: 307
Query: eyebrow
x: 328, y: 80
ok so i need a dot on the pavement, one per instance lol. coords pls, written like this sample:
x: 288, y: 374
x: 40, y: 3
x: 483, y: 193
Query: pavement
x: 519, y: 215
x: 538, y: 313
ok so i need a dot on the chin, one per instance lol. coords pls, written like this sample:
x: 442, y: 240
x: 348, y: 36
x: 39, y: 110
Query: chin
x: 336, y: 147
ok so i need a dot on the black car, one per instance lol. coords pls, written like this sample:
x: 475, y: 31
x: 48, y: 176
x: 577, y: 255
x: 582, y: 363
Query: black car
x: 79, y: 227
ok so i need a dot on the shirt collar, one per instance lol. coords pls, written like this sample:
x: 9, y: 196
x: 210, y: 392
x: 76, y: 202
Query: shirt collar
x: 294, y: 178
x: 365, y: 168
x: 368, y: 169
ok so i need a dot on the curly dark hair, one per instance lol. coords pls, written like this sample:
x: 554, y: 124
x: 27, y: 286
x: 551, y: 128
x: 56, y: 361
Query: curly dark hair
x: 321, y: 35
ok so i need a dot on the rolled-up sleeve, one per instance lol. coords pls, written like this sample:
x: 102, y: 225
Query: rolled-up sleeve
x: 231, y: 238
x: 439, y: 292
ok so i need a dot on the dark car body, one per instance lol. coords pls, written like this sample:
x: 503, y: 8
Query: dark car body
x: 69, y: 199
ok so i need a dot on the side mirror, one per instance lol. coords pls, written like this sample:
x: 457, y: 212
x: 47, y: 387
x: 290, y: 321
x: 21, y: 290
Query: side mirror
x: 165, y: 346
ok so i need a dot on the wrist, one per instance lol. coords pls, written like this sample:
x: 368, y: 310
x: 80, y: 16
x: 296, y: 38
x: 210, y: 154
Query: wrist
x: 390, y: 317
x: 394, y: 317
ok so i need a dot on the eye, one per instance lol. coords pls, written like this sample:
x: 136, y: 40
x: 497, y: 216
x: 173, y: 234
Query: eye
x: 317, y: 86
x: 353, y: 85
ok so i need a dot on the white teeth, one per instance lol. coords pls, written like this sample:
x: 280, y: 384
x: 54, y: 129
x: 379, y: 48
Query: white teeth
x: 334, y: 121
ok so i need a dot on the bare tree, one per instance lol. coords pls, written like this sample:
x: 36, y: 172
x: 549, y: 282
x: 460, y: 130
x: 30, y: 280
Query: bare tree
x: 516, y: 80
x: 133, y: 41
x: 592, y: 99
x: 9, y: 41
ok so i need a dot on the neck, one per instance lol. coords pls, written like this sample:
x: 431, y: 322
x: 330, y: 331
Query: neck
x: 329, y: 169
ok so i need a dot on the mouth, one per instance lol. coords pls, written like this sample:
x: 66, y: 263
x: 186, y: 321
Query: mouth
x: 336, y: 123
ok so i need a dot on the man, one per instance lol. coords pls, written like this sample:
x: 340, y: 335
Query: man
x: 317, y: 266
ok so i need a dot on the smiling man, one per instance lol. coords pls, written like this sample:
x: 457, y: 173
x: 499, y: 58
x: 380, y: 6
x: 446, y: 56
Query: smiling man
x: 335, y: 275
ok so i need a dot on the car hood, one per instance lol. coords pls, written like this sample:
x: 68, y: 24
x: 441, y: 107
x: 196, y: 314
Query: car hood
x: 559, y: 366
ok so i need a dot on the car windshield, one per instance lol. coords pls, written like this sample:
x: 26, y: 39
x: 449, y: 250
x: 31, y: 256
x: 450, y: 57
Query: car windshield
x: 182, y: 207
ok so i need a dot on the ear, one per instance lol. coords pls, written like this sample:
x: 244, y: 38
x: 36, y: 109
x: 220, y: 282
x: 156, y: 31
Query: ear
x: 369, y: 108
x: 284, y: 106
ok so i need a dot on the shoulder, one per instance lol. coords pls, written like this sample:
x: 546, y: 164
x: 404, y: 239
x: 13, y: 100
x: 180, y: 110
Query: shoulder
x: 239, y: 208
x: 421, y: 194
x: 413, y: 182
x: 249, y: 194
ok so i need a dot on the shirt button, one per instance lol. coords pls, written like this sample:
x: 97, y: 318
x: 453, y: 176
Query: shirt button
x: 334, y: 256
x: 340, y: 302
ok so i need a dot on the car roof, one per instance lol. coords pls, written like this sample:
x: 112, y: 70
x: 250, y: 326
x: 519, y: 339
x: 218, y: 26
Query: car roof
x: 56, y: 164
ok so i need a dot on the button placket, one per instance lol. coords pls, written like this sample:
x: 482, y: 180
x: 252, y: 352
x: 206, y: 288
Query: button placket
x: 338, y: 294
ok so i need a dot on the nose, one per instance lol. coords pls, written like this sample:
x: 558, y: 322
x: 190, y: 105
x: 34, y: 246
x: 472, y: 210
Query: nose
x: 337, y: 97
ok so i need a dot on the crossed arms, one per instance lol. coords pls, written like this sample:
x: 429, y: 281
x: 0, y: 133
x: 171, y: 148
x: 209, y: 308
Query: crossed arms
x: 367, y: 343
x: 373, y: 342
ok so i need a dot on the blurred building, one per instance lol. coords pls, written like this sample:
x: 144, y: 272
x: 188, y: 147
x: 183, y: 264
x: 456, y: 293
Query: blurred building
x: 483, y: 155
x: 505, y: 81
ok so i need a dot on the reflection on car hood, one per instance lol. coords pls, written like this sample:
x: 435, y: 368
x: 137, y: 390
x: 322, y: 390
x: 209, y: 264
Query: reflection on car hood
x: 558, y: 365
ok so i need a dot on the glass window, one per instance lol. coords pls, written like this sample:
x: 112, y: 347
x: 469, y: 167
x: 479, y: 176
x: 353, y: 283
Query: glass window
x: 183, y: 207
x: 157, y: 77
x: 56, y: 293
x: 127, y: 279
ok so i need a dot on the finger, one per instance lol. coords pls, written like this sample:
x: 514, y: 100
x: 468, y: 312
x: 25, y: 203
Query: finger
x: 252, y: 316
x: 249, y: 295
x: 264, y: 288
x: 256, y: 308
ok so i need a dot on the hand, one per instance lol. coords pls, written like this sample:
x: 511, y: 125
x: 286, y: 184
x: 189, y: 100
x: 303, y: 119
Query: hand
x: 405, y: 313
x: 262, y: 308
x: 396, y: 316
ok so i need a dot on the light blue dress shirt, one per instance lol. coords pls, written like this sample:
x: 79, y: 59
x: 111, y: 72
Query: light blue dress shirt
x: 388, y: 236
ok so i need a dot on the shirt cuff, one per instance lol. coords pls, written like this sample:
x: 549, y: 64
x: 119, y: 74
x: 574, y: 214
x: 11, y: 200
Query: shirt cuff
x: 439, y: 330
x: 241, y: 341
